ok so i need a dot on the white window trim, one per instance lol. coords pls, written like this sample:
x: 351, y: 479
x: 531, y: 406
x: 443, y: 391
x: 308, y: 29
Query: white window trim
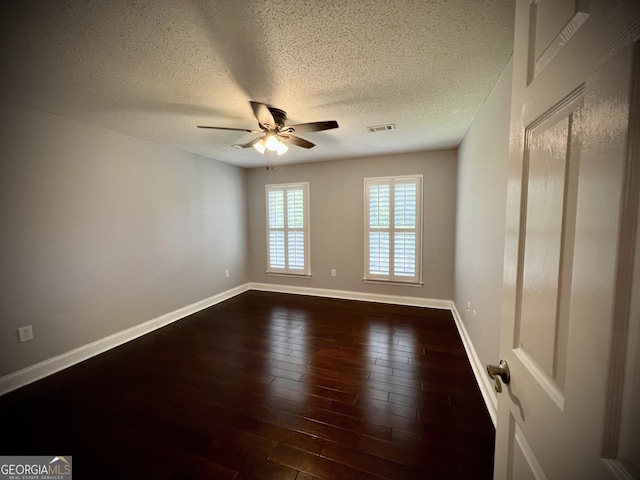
x: 390, y: 278
x: 306, y: 272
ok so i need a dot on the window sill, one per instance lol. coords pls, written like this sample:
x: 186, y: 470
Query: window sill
x: 392, y: 282
x: 282, y: 274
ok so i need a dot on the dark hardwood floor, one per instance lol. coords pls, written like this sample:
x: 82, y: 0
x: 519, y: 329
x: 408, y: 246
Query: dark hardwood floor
x: 267, y: 386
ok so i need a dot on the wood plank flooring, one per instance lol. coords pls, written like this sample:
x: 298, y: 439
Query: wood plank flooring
x: 267, y: 386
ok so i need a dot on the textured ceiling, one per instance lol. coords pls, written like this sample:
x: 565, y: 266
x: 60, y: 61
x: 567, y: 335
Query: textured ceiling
x: 157, y: 68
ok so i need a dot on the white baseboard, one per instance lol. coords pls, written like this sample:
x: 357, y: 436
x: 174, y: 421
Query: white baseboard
x: 50, y: 366
x: 485, y: 384
x: 350, y: 295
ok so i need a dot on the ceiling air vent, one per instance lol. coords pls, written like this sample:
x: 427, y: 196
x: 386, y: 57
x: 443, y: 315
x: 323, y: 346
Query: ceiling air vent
x: 382, y: 128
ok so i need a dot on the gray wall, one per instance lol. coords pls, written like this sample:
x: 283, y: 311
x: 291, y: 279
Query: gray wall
x: 482, y: 193
x: 337, y: 221
x: 101, y: 231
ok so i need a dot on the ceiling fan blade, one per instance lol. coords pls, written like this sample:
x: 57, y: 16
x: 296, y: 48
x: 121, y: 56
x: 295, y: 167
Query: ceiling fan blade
x: 233, y: 129
x: 313, y: 126
x: 262, y: 113
x: 300, y: 142
x: 250, y: 144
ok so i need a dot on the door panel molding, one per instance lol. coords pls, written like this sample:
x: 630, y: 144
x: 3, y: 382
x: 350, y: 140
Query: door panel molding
x: 523, y: 464
x: 540, y: 57
x: 542, y: 377
x: 626, y: 287
x: 556, y: 126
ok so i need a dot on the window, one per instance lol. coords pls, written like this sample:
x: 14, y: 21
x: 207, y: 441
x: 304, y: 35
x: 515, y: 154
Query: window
x: 288, y: 229
x: 393, y: 229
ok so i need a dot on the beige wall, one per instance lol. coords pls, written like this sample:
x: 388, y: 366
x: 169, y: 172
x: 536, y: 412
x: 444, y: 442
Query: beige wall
x: 481, y: 207
x: 337, y: 221
x: 101, y: 231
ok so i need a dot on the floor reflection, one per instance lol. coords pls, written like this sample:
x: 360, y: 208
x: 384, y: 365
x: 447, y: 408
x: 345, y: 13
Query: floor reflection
x: 285, y: 357
x: 394, y: 379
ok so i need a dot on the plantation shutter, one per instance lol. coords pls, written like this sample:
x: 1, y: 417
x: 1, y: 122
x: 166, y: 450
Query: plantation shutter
x: 379, y: 223
x: 295, y: 222
x: 404, y: 240
x: 287, y: 229
x: 393, y: 229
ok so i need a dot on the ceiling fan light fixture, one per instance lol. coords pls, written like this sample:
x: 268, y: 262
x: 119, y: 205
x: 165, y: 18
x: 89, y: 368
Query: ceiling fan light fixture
x: 260, y: 146
x: 282, y: 148
x: 272, y: 143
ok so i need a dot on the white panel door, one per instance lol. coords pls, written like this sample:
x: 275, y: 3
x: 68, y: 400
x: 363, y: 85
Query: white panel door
x: 569, y: 243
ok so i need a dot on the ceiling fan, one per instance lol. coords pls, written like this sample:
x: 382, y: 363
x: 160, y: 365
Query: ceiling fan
x: 271, y: 122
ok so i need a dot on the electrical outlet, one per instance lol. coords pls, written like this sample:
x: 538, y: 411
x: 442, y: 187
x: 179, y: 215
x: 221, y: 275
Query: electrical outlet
x: 333, y: 272
x: 226, y: 273
x: 468, y: 306
x: 25, y: 333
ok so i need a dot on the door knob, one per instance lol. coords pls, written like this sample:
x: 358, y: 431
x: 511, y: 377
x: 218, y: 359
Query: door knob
x: 500, y: 371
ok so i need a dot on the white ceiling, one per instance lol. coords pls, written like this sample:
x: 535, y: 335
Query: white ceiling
x: 157, y: 68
